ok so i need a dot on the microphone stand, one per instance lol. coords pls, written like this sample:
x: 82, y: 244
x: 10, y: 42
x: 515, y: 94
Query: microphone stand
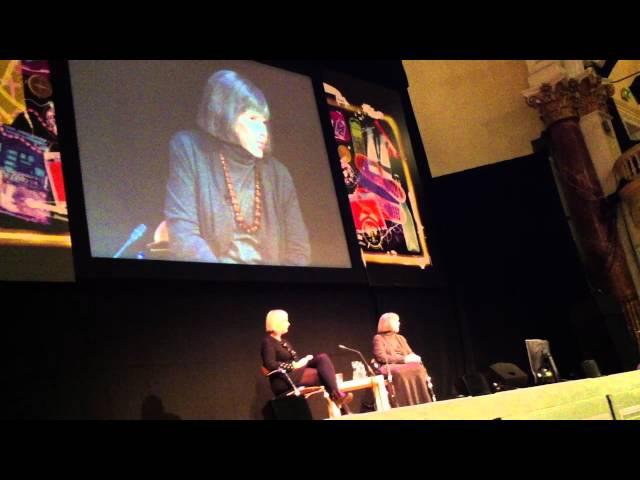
x: 126, y: 245
x: 134, y: 237
x: 371, y: 372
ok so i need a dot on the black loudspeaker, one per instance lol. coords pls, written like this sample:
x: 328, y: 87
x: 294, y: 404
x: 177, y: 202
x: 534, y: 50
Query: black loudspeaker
x: 507, y: 376
x: 475, y: 384
x: 288, y: 408
x: 590, y: 369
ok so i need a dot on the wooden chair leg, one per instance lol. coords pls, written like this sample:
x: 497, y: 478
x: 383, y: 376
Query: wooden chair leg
x: 334, y: 410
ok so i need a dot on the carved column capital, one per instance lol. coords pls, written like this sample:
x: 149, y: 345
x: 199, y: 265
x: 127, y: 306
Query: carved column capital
x: 593, y: 94
x: 554, y: 102
x: 570, y: 97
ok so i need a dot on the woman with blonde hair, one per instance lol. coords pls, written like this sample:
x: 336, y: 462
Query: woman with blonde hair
x: 278, y: 353
x: 396, y: 358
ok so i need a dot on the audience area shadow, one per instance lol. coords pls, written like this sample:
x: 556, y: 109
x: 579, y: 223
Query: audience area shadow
x: 153, y: 409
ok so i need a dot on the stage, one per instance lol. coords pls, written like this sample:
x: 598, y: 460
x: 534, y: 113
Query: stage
x: 613, y: 397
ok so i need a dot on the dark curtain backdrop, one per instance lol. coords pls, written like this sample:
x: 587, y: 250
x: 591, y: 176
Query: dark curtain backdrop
x: 516, y: 273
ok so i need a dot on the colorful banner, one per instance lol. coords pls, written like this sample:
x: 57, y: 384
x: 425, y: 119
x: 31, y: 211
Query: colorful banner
x: 378, y: 180
x: 33, y: 201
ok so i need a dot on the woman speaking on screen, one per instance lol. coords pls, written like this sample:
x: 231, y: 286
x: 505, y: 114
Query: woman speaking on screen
x: 228, y: 200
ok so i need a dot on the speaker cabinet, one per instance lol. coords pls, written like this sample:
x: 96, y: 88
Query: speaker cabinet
x: 590, y: 369
x: 507, y: 376
x: 475, y: 384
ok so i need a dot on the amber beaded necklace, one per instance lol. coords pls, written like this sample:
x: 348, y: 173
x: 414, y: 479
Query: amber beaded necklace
x: 257, y: 198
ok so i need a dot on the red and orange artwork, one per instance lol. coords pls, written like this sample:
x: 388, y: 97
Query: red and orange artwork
x: 376, y: 172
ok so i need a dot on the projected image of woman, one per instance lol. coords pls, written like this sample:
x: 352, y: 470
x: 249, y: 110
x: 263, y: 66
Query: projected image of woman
x: 228, y: 200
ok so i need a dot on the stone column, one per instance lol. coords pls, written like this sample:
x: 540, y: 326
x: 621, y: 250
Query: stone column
x: 560, y: 106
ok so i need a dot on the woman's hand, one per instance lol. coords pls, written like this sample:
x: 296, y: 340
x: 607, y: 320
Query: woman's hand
x: 302, y: 362
x: 412, y: 358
